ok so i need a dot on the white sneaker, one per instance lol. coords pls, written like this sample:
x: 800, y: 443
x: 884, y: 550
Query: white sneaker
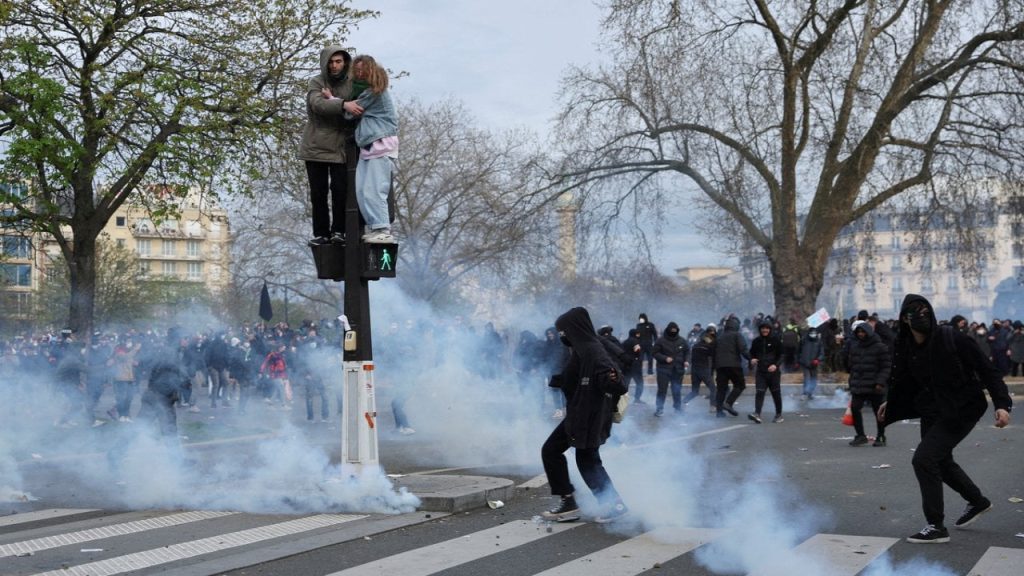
x: 98, y: 423
x: 405, y: 430
x: 382, y: 236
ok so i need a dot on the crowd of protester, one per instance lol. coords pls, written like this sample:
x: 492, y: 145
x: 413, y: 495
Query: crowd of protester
x: 273, y: 363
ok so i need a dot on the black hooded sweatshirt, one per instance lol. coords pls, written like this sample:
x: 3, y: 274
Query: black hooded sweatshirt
x: 671, y: 344
x: 767, y: 350
x: 931, y: 380
x: 588, y: 414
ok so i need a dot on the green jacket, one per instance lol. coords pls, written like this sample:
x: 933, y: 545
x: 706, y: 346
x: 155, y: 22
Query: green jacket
x: 323, y: 138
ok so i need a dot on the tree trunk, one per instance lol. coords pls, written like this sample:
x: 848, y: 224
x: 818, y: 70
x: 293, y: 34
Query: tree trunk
x: 797, y: 280
x: 82, y: 275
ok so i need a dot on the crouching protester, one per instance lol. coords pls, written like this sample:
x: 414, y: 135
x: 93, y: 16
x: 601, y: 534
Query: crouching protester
x: 940, y: 375
x: 592, y: 383
x: 168, y: 383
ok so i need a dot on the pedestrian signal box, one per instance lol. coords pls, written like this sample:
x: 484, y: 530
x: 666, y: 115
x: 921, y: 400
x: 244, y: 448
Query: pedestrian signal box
x: 330, y: 261
x: 379, y: 260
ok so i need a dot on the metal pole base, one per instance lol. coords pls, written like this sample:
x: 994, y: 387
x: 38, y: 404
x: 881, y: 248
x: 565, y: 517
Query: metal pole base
x: 359, y: 417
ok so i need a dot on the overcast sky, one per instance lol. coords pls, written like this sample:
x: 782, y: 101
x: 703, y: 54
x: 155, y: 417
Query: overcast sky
x: 503, y: 59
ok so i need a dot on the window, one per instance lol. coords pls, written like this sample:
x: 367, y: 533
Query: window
x: 10, y: 192
x: 952, y: 283
x: 897, y: 262
x: 119, y: 221
x: 17, y: 247
x: 192, y: 248
x: 16, y: 274
x: 897, y: 284
x: 195, y: 270
x: 142, y: 246
x: 926, y: 285
x: 168, y: 248
x: 120, y: 242
x: 144, y: 268
x: 169, y: 225
x: 168, y: 268
x: 896, y: 243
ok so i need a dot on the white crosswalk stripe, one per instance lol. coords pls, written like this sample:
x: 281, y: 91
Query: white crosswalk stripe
x: 450, y: 553
x: 844, y: 555
x: 998, y: 560
x: 38, y: 544
x: 184, y: 550
x: 636, y: 554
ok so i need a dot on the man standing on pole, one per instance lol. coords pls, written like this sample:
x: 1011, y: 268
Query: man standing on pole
x: 323, y: 143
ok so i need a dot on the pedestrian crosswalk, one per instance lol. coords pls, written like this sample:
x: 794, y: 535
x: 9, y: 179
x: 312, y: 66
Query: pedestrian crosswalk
x: 81, y: 542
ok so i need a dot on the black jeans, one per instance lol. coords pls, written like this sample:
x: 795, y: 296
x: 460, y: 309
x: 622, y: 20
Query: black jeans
x: 857, y: 402
x: 933, y: 465
x: 673, y: 379
x: 324, y: 177
x: 722, y: 378
x: 770, y: 381
x: 698, y: 376
x: 588, y: 462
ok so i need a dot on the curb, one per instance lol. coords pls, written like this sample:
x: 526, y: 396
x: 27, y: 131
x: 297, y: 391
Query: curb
x: 451, y: 493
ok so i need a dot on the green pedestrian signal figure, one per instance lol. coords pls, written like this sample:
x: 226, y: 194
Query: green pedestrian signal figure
x: 385, y: 260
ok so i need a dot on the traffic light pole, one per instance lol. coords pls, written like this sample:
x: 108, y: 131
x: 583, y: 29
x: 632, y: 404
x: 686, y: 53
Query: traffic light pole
x: 359, y: 414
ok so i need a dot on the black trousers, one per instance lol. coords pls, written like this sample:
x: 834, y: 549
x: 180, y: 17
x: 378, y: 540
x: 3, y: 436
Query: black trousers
x: 934, y: 465
x: 588, y: 461
x: 327, y: 177
x: 723, y: 376
x: 857, y: 402
x: 636, y: 374
x: 772, y: 382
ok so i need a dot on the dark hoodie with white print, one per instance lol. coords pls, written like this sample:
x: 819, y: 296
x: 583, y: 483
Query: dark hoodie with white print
x: 868, y: 361
x: 672, y: 345
x: 929, y: 379
x: 767, y: 350
x: 588, y: 414
x: 323, y: 138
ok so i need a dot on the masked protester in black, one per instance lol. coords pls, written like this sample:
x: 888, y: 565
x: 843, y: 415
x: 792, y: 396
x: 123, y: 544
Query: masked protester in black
x: 940, y: 376
x: 587, y: 423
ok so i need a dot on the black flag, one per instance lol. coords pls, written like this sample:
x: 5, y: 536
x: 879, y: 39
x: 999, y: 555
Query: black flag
x: 266, y: 310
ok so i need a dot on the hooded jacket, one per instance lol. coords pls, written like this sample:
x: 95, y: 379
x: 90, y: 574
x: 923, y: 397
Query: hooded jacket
x: 732, y: 346
x: 672, y: 345
x: 869, y: 362
x: 955, y: 380
x: 588, y: 414
x: 702, y: 354
x: 323, y: 138
x: 767, y: 350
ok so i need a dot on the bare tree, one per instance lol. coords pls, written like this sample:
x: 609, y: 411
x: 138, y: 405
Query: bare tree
x: 462, y: 200
x: 792, y: 120
x: 100, y: 98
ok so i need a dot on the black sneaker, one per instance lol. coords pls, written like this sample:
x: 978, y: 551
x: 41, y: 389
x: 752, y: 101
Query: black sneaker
x: 566, y: 511
x: 972, y: 512
x: 728, y: 408
x: 778, y: 419
x: 880, y: 441
x: 754, y: 417
x: 337, y: 238
x: 859, y: 441
x: 929, y: 535
x: 721, y: 414
x: 319, y: 241
x: 658, y: 413
x: 616, y: 511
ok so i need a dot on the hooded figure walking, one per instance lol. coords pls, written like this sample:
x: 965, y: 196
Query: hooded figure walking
x: 592, y: 383
x: 940, y: 376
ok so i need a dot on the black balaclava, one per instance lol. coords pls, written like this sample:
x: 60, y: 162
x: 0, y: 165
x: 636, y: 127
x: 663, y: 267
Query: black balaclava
x: 672, y: 330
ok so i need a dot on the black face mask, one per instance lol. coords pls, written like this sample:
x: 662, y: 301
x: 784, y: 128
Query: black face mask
x: 673, y: 333
x: 565, y: 340
x: 920, y: 321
